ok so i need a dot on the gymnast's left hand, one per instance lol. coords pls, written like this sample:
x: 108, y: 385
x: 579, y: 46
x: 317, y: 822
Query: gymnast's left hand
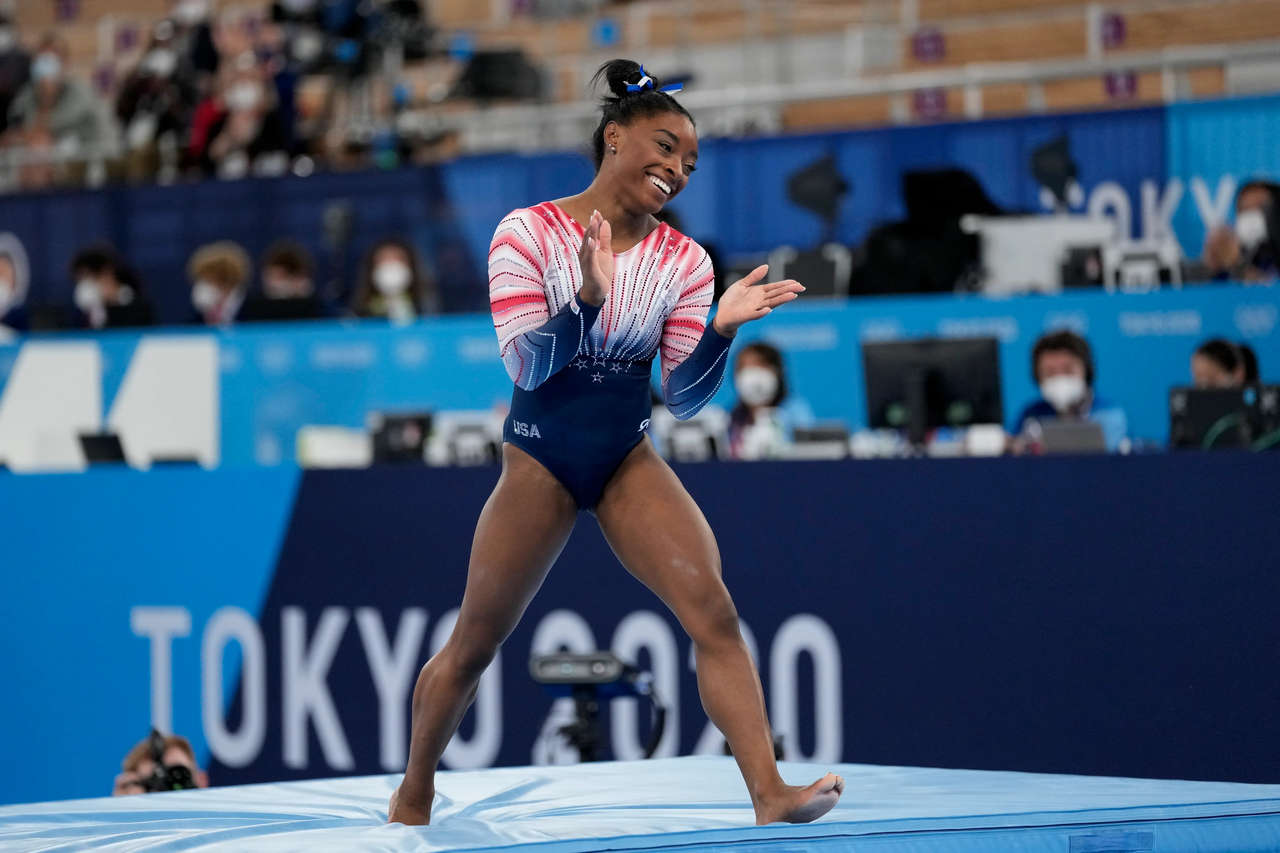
x: 745, y: 300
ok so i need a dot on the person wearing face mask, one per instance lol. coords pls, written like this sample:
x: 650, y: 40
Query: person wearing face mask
x: 394, y: 285
x: 106, y: 294
x: 762, y: 421
x: 58, y: 111
x: 155, y: 100
x: 1248, y: 251
x: 219, y: 274
x: 248, y: 136
x: 1062, y: 366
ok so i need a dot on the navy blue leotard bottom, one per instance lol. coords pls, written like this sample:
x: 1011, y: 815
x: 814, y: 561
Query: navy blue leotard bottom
x: 583, y: 421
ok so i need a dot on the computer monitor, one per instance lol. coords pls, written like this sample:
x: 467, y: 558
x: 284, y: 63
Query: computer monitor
x: 1220, y: 418
x: 927, y: 383
x: 399, y: 437
x: 102, y: 448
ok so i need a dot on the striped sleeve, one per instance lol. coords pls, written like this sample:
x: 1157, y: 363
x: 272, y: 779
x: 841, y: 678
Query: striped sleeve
x: 694, y: 354
x: 533, y: 343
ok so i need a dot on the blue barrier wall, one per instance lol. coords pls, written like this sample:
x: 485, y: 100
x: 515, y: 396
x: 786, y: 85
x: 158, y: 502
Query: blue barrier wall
x: 1096, y: 615
x: 737, y: 201
x: 276, y: 379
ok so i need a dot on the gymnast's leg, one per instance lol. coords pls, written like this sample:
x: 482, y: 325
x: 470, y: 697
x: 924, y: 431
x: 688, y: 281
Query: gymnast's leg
x: 661, y: 537
x: 521, y: 531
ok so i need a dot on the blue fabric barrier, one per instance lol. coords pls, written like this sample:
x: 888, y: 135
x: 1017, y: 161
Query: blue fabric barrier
x: 1102, y: 616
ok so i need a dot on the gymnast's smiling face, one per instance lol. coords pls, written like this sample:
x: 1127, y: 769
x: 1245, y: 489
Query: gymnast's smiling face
x: 656, y: 156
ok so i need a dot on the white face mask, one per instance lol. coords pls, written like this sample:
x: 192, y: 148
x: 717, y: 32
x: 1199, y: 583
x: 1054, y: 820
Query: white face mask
x: 307, y: 45
x: 46, y: 67
x: 88, y: 295
x: 7, y: 39
x: 161, y: 62
x: 1063, y: 391
x: 1251, y: 228
x: 756, y: 385
x: 244, y: 96
x: 205, y: 296
x: 392, y: 277
x: 190, y: 12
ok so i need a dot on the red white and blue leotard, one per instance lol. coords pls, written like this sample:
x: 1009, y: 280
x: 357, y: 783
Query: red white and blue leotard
x: 581, y: 400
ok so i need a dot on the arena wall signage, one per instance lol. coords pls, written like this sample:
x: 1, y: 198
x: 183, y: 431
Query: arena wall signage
x: 1063, y: 614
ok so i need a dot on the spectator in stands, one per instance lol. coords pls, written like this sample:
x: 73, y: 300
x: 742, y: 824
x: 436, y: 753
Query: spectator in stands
x: 219, y: 274
x: 1220, y: 363
x: 394, y: 284
x: 193, y: 40
x: 15, y: 63
x: 138, y: 769
x: 762, y: 421
x: 288, y: 286
x: 57, y: 116
x: 243, y: 128
x: 155, y: 102
x: 107, y: 294
x: 1062, y: 366
x: 13, y: 314
x: 1247, y: 252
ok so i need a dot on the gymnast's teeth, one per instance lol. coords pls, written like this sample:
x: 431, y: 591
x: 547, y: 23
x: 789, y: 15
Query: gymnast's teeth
x: 660, y: 184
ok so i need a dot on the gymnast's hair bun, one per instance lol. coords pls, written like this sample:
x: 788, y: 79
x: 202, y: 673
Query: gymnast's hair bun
x: 618, y: 74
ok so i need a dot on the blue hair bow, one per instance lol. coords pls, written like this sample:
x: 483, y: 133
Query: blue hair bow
x: 646, y: 82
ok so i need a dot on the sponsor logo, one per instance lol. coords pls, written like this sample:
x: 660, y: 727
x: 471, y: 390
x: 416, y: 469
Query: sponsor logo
x: 1003, y: 328
x: 1136, y: 324
x: 1255, y: 321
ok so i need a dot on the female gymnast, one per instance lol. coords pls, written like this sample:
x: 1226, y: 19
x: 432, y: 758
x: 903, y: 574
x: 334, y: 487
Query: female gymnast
x: 585, y: 291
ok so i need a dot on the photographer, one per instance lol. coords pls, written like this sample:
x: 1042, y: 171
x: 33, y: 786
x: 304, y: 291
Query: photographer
x: 159, y: 763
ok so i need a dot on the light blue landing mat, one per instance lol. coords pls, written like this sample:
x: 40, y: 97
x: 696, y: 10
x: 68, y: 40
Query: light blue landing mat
x: 675, y: 804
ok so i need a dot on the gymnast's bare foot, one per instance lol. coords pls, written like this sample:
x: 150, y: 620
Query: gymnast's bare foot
x: 796, y: 804
x: 409, y: 811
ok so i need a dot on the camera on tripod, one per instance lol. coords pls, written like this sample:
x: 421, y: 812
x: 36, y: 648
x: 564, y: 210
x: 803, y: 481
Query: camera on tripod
x: 588, y: 678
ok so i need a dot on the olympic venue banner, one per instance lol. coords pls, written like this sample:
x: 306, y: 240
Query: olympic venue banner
x: 1104, y: 615
x: 1155, y: 170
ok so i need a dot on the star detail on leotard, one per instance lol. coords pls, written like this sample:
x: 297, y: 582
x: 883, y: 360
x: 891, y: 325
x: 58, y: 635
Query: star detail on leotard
x: 616, y: 367
x: 599, y: 360
x: 597, y: 377
x: 581, y: 364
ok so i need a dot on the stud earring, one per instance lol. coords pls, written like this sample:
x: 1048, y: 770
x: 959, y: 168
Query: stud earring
x: 613, y: 149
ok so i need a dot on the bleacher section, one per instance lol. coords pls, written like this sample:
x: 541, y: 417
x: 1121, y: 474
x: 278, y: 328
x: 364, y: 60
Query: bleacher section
x: 790, y: 42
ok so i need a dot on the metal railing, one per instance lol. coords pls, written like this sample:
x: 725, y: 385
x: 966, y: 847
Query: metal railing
x: 529, y: 126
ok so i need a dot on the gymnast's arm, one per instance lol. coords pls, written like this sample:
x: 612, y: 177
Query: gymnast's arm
x: 534, y: 344
x: 694, y: 353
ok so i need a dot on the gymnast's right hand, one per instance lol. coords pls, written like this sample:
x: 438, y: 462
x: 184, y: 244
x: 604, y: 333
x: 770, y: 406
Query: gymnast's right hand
x: 596, y: 260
